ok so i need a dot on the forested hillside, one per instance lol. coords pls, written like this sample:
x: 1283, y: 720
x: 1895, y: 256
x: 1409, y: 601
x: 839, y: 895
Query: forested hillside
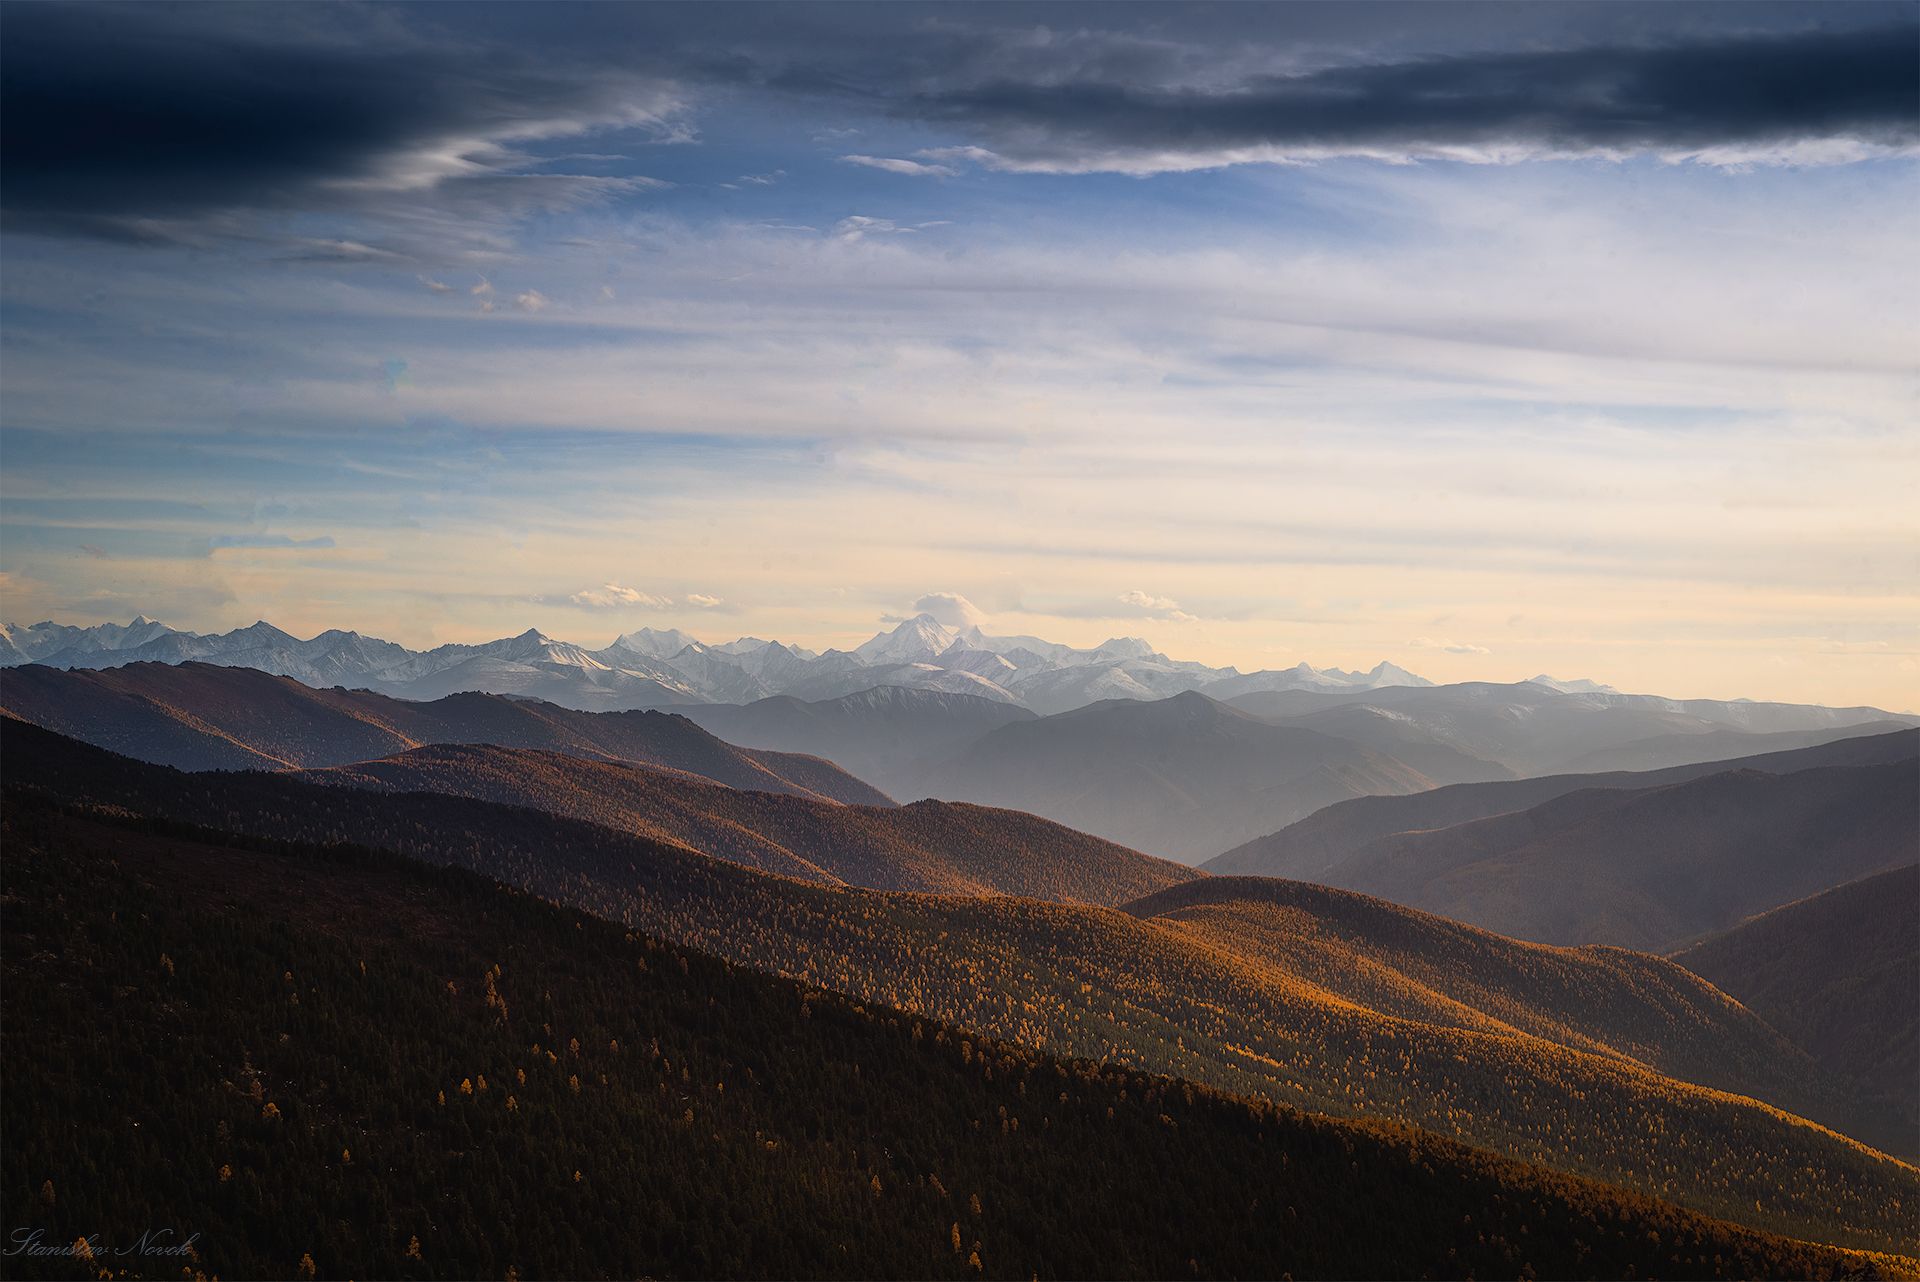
x: 1083, y: 981
x: 377, y: 1070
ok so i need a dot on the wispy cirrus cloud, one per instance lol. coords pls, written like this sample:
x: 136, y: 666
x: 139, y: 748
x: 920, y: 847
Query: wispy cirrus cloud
x: 897, y: 165
x: 268, y: 541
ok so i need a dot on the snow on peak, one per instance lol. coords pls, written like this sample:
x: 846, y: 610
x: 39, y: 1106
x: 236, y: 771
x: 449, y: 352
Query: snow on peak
x: 916, y: 640
x: 1578, y: 685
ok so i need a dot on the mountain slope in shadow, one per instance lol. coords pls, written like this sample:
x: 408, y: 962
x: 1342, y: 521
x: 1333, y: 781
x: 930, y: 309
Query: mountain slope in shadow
x: 928, y: 846
x: 1839, y: 974
x: 197, y: 716
x: 1650, y: 868
x: 1312, y: 848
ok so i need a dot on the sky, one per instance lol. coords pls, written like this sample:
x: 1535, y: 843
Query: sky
x: 1489, y: 340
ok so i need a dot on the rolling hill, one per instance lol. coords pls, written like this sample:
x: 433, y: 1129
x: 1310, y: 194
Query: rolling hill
x: 1094, y: 983
x: 424, y: 1074
x: 1180, y: 777
x: 200, y: 717
x: 1650, y: 868
x: 929, y: 846
x: 1312, y: 848
x: 1839, y: 974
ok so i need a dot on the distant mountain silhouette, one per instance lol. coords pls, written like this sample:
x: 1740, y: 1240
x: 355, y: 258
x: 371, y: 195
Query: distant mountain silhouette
x: 1180, y: 777
x: 1090, y: 982
x: 1839, y: 974
x: 1534, y: 729
x: 1313, y: 847
x: 523, y: 1090
x: 887, y: 735
x: 1650, y: 868
x: 929, y: 846
x: 1666, y: 751
x: 200, y: 717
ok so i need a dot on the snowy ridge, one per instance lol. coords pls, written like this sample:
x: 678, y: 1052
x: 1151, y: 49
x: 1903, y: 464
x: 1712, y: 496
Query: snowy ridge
x: 653, y: 668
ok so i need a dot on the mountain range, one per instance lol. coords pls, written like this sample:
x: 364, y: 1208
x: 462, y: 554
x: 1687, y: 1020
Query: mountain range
x: 930, y: 846
x: 1312, y: 848
x: 1654, y: 866
x: 652, y: 668
x: 197, y: 716
x: 1184, y: 777
x: 1596, y: 1063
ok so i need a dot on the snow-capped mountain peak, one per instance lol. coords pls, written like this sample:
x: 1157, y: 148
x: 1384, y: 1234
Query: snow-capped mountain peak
x: 654, y: 643
x: 916, y: 640
x: 1577, y: 685
x: 653, y: 667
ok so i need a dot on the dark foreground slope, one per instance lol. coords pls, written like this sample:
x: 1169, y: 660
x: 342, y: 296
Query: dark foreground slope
x: 1839, y: 974
x: 1084, y: 981
x: 345, y: 1065
x: 197, y: 716
x: 929, y: 846
x: 1309, y: 849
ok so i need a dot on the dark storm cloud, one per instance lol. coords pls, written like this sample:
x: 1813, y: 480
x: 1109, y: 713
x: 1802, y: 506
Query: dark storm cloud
x: 1707, y: 92
x: 112, y: 115
x: 135, y: 121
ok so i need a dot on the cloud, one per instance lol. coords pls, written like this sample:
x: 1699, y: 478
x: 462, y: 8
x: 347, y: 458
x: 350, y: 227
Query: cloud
x: 532, y: 301
x: 857, y: 226
x: 703, y: 601
x: 909, y: 168
x: 611, y: 596
x: 1806, y: 97
x: 436, y: 286
x: 1163, y: 608
x: 950, y: 609
x: 762, y: 180
x: 94, y: 550
x: 1451, y: 647
x: 128, y: 121
x: 267, y: 541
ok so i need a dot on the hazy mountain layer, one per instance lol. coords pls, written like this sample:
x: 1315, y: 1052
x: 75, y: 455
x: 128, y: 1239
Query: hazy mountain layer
x: 1313, y: 847
x: 1180, y: 777
x: 888, y: 735
x: 1654, y: 867
x: 1533, y: 729
x: 1093, y: 982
